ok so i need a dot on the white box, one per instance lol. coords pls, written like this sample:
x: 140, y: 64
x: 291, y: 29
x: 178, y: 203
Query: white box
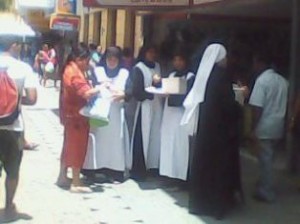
x: 174, y: 85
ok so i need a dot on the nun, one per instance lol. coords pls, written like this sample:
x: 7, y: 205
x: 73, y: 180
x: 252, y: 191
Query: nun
x: 148, y: 115
x: 213, y: 111
x: 174, y: 155
x: 108, y: 146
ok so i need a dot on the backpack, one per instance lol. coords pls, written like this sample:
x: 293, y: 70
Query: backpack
x: 9, y: 100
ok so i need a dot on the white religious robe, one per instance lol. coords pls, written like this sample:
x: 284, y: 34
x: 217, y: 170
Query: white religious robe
x: 174, y: 156
x: 108, y: 146
x: 151, y: 120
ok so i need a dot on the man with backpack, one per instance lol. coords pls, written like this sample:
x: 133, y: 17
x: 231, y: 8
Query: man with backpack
x: 17, y: 86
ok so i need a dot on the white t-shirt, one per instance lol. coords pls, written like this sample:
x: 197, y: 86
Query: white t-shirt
x: 24, y: 77
x: 270, y: 93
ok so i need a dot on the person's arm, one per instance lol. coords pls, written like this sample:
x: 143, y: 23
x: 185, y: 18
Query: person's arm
x: 31, y: 83
x: 82, y: 87
x: 256, y: 115
x: 128, y: 89
x: 138, y: 88
x: 30, y: 96
x: 256, y: 102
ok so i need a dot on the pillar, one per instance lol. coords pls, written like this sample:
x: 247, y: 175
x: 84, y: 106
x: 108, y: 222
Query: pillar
x: 138, y: 34
x: 292, y: 142
x: 125, y: 29
x: 295, y: 50
x: 91, y: 22
x: 108, y: 28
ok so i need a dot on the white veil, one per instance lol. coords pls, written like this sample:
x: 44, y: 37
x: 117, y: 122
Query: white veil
x: 213, y: 54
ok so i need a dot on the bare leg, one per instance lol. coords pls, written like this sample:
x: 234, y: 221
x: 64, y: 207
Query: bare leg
x: 76, y: 177
x: 63, y: 180
x: 10, y: 188
x: 44, y: 81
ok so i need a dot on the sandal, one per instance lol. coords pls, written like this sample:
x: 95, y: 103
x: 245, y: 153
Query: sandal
x: 80, y: 189
x: 30, y: 146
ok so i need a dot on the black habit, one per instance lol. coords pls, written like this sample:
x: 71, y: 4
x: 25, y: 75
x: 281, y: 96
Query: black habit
x: 215, y: 168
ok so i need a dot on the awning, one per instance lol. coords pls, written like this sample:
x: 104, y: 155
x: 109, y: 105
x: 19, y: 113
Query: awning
x: 234, y: 8
x: 11, y: 24
x: 64, y: 22
x: 136, y: 3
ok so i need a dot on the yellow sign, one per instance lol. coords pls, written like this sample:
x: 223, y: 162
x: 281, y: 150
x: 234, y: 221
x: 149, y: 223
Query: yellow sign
x: 64, y: 6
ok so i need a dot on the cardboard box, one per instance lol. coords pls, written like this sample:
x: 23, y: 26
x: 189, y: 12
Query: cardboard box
x: 174, y: 85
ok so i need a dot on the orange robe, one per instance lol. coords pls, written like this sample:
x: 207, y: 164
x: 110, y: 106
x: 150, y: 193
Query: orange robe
x: 76, y: 126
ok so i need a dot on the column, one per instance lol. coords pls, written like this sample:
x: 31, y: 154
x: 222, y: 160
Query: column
x: 91, y: 28
x: 97, y: 28
x: 292, y: 143
x: 108, y: 28
x: 138, y: 34
x: 125, y: 29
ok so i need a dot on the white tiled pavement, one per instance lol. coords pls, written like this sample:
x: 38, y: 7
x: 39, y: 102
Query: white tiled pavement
x: 125, y: 203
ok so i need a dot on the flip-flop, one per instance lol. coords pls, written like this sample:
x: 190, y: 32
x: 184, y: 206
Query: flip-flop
x: 80, y: 189
x: 30, y: 146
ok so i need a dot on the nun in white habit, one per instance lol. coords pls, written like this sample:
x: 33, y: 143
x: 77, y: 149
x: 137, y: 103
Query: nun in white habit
x: 215, y: 172
x: 109, y: 145
x: 174, y: 155
x: 148, y: 116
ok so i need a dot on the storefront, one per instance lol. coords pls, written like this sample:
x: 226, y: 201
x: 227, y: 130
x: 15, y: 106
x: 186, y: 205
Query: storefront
x: 158, y: 20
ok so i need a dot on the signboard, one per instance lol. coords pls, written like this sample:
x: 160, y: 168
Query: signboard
x: 135, y: 3
x: 66, y: 6
x: 64, y: 22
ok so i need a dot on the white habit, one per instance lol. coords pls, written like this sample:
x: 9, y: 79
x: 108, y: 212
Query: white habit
x: 108, y: 146
x: 151, y: 111
x: 174, y: 156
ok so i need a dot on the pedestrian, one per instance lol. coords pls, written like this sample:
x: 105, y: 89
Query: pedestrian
x: 128, y: 59
x: 11, y: 130
x: 214, y: 174
x: 109, y: 145
x: 174, y: 155
x: 148, y: 115
x: 50, y: 70
x: 95, y: 57
x: 268, y: 103
x: 75, y: 93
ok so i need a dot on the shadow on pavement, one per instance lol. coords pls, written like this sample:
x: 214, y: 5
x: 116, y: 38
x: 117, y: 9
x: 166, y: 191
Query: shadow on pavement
x: 13, y: 217
x: 55, y: 111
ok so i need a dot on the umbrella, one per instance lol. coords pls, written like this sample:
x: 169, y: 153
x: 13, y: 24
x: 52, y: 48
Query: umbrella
x: 11, y: 24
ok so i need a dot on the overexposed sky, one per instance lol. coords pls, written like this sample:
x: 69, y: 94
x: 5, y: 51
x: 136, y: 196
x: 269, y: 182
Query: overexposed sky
x: 36, y: 3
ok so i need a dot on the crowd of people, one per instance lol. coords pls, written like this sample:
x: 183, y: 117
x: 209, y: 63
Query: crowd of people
x: 192, y: 138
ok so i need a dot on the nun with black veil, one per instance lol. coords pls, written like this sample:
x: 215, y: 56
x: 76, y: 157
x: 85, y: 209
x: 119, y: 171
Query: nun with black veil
x: 212, y: 117
x: 145, y: 147
x: 108, y: 146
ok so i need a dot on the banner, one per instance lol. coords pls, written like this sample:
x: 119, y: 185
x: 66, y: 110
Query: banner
x: 135, y: 3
